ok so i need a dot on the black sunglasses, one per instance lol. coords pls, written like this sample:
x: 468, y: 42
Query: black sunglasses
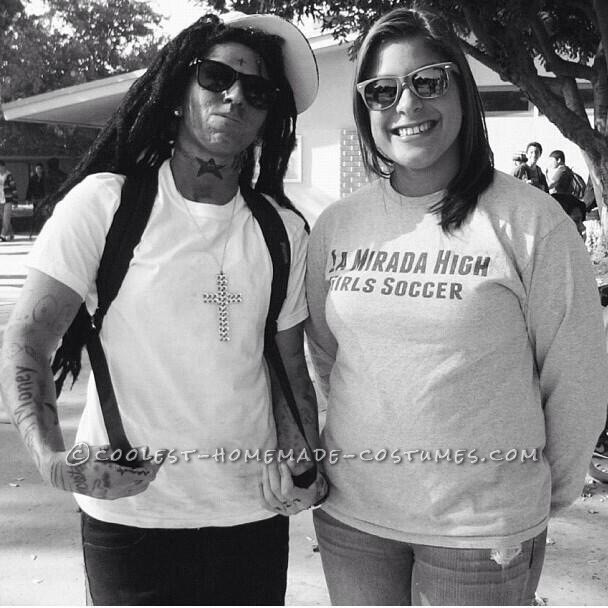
x: 214, y: 76
x: 428, y: 82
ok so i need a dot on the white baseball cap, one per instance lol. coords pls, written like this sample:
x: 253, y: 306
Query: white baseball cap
x: 299, y: 60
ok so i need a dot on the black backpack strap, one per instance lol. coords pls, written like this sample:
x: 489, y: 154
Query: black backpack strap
x: 124, y: 233
x: 277, y: 241
x: 278, y: 246
x: 107, y: 398
x: 130, y: 220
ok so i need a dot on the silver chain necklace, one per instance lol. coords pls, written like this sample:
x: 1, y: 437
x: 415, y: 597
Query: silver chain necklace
x: 222, y: 297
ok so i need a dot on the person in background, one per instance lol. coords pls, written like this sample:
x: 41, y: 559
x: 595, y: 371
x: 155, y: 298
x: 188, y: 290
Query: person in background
x: 36, y: 191
x: 530, y: 172
x: 185, y: 335
x: 447, y: 304
x: 8, y: 196
x: 55, y: 176
x: 8, y: 192
x: 559, y: 176
x: 575, y: 208
x: 519, y: 159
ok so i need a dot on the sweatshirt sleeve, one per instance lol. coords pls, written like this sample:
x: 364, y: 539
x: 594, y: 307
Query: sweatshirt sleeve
x: 294, y: 309
x: 566, y: 332
x: 321, y: 342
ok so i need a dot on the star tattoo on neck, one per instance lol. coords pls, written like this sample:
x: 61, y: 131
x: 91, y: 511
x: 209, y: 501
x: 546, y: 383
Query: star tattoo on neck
x: 209, y: 166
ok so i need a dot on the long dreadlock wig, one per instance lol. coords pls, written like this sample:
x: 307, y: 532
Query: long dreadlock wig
x: 141, y: 133
x: 142, y: 130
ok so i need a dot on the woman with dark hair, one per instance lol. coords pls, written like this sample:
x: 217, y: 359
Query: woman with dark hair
x: 445, y: 311
x: 190, y: 382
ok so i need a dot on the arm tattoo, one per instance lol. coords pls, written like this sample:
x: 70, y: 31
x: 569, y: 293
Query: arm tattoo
x: 78, y: 482
x: 48, y: 313
x: 57, y: 476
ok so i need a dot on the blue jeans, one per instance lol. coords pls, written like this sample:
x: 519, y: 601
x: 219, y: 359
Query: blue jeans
x: 242, y: 565
x: 364, y: 569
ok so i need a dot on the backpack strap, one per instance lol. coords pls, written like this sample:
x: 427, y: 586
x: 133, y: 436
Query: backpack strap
x: 130, y: 220
x: 128, y: 223
x: 278, y: 246
x: 277, y: 241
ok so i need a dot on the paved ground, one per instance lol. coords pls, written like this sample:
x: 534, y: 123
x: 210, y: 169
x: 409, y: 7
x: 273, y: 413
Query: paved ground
x: 40, y: 560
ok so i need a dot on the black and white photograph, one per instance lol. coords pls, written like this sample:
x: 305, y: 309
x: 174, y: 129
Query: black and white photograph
x: 304, y: 303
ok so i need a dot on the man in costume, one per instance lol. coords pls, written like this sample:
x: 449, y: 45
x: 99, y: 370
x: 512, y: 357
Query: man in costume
x: 184, y: 337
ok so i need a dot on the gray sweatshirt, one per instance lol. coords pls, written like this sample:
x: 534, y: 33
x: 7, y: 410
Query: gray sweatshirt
x: 466, y: 374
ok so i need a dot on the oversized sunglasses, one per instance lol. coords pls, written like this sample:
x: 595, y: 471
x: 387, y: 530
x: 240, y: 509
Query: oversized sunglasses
x: 427, y: 82
x: 215, y: 76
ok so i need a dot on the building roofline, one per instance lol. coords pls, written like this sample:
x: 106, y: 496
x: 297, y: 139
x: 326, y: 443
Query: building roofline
x: 61, y: 105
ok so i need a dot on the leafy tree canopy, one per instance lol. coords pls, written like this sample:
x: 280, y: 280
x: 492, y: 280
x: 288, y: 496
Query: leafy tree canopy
x: 72, y: 42
x: 67, y: 43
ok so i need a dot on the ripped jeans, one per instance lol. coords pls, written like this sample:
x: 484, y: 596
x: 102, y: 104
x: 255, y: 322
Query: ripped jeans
x: 363, y: 569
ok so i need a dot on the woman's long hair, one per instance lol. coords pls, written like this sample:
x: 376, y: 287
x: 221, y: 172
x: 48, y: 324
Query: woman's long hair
x: 476, y: 168
x: 142, y: 130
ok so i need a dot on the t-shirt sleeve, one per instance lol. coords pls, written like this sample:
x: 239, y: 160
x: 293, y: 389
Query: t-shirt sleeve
x: 295, y: 309
x: 70, y: 245
x: 564, y: 320
x: 321, y: 342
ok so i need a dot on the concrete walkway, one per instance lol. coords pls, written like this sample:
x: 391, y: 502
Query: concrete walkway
x: 40, y: 558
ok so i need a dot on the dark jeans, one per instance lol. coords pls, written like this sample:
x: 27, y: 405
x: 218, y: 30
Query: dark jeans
x: 243, y: 565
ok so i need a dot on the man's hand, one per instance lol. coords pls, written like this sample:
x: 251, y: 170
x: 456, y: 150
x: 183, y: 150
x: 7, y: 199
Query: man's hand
x: 281, y: 496
x: 97, y: 478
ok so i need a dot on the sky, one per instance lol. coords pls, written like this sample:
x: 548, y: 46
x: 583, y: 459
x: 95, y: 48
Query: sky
x: 178, y: 14
x: 182, y: 13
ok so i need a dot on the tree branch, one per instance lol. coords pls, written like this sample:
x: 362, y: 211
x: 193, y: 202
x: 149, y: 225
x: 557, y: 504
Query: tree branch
x: 555, y: 63
x: 479, y: 28
x: 482, y: 57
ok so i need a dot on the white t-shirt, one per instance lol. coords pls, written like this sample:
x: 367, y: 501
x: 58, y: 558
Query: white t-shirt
x: 178, y: 387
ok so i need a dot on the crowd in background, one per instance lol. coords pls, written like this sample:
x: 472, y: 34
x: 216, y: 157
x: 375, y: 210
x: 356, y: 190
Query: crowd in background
x: 41, y: 184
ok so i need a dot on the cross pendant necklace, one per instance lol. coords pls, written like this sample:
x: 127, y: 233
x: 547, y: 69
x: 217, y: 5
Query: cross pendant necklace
x: 222, y: 297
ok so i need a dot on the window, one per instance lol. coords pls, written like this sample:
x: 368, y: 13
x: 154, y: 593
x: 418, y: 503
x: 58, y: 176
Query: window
x: 504, y: 101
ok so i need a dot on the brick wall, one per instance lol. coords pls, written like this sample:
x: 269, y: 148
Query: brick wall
x: 352, y: 173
